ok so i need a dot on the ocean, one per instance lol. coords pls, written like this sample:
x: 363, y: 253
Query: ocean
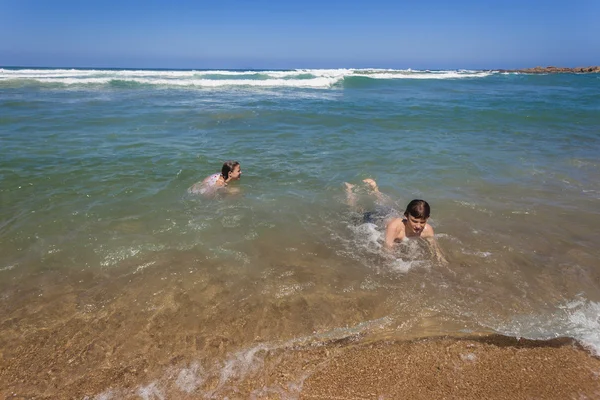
x: 107, y: 260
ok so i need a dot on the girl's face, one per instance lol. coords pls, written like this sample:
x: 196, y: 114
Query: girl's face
x: 236, y: 173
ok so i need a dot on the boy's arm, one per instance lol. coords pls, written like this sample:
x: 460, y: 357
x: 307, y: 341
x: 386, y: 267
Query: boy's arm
x: 391, y: 232
x: 435, y: 248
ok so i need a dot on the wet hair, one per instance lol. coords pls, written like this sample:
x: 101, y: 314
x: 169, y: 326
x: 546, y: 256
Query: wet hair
x: 417, y: 209
x: 228, y: 166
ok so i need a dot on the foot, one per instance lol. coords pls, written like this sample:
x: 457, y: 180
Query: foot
x: 371, y: 183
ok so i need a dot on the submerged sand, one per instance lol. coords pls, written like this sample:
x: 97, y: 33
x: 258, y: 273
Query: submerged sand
x: 155, y: 331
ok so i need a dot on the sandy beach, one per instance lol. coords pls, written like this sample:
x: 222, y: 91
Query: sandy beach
x: 488, y: 367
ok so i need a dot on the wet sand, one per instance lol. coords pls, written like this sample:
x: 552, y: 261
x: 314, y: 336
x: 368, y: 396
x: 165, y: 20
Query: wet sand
x: 489, y: 367
x: 157, y: 330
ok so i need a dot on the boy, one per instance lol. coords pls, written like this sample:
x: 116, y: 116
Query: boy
x: 413, y: 224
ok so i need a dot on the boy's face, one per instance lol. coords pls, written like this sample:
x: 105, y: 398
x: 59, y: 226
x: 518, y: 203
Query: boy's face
x: 415, y: 224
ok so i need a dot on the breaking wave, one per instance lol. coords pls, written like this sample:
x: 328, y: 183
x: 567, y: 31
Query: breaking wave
x: 298, y: 78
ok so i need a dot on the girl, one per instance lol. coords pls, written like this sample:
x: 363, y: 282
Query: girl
x: 231, y: 171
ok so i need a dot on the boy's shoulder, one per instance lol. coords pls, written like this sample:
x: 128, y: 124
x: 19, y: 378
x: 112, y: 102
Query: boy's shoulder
x: 397, y: 223
x: 428, y: 231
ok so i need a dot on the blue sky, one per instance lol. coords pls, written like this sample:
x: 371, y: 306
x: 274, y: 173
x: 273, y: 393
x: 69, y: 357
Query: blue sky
x: 299, y: 34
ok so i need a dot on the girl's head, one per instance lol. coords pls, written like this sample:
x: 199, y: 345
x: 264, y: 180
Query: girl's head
x: 231, y: 170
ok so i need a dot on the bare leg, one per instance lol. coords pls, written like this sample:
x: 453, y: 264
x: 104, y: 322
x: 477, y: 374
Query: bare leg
x: 375, y: 189
x: 350, y: 195
x: 372, y: 184
x: 382, y: 199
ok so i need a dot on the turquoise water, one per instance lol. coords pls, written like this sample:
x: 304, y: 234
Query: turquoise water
x: 95, y: 167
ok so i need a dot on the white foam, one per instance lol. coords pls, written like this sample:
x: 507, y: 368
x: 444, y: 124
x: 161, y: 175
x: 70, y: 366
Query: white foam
x: 316, y: 83
x: 8, y: 267
x: 39, y: 73
x: 578, y: 319
x: 115, y: 256
x: 409, y: 74
x: 402, y: 266
x: 189, y: 379
x: 482, y: 254
x: 299, y: 78
x: 150, y: 392
x: 368, y: 235
x: 239, y: 366
x: 143, y: 266
x: 241, y: 363
x: 107, y: 395
x: 119, y: 255
x: 74, y: 81
x: 584, y: 324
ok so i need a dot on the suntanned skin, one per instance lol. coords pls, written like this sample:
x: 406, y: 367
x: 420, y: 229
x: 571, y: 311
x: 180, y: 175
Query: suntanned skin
x: 399, y: 228
x: 234, y: 175
x: 409, y: 226
x: 372, y: 184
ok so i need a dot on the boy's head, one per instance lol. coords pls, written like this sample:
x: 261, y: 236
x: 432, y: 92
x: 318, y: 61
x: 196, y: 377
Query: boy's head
x: 417, y: 209
x: 417, y: 213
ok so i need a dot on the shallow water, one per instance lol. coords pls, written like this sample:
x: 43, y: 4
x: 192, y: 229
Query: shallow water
x: 100, y: 239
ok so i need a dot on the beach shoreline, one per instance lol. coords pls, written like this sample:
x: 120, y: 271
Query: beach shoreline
x: 448, y: 367
x: 489, y: 366
x: 144, y: 334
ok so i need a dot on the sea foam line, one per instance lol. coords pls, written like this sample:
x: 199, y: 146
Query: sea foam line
x: 207, y: 83
x: 191, y: 76
x: 228, y: 373
x: 578, y: 319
